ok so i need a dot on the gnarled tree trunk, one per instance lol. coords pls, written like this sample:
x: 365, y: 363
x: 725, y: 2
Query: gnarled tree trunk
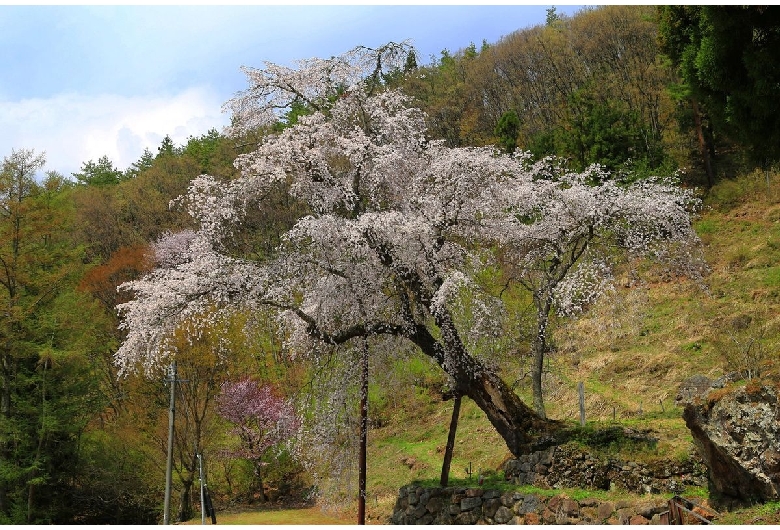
x: 514, y: 421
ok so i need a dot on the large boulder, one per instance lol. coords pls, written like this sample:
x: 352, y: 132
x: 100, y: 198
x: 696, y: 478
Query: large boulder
x: 737, y: 432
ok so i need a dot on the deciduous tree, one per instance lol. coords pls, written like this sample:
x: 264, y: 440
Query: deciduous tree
x: 261, y: 420
x: 399, y: 226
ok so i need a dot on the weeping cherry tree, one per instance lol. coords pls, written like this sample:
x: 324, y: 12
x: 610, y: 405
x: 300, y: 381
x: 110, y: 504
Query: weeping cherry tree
x: 397, y: 229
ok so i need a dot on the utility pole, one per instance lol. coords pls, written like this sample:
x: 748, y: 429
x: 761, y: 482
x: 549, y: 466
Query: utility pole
x: 169, y: 467
x: 202, y: 492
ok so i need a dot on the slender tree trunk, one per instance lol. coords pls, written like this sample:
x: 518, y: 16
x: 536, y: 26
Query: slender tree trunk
x: 185, y: 502
x: 538, y: 351
x: 445, y: 468
x: 704, y: 148
x: 5, y: 412
x: 39, y: 450
x: 259, y: 486
x: 537, y: 370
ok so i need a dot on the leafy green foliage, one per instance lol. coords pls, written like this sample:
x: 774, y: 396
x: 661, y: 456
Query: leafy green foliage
x: 100, y: 173
x: 507, y: 130
x: 727, y: 57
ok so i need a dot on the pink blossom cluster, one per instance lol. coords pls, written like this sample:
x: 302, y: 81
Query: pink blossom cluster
x: 261, y: 419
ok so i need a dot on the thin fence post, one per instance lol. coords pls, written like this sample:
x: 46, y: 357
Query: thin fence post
x: 581, y: 391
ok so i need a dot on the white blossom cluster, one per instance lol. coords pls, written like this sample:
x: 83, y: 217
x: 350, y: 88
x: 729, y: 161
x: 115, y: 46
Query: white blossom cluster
x: 399, y: 225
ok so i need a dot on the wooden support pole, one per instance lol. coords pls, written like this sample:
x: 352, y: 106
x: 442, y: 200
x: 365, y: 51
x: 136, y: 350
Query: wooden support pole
x: 445, y: 468
x: 363, y: 434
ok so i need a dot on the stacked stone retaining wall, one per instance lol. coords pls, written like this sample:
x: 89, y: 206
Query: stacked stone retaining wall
x: 419, y: 505
x: 563, y: 466
x: 569, y: 466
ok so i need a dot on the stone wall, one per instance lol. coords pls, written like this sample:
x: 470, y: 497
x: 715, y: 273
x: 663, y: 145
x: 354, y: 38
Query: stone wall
x: 418, y: 505
x: 570, y: 466
x: 564, y: 466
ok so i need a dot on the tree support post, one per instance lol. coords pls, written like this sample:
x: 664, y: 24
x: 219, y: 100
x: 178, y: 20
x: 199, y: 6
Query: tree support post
x: 363, y: 434
x: 445, y: 468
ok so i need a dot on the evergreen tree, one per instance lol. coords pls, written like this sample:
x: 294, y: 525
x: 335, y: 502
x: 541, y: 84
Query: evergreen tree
x: 727, y: 56
x: 47, y: 393
x: 100, y: 173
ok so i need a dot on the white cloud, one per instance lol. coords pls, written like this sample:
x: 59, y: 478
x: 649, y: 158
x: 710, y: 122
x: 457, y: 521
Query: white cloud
x: 73, y: 128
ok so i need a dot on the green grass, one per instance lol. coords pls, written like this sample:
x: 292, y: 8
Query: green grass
x: 624, y: 358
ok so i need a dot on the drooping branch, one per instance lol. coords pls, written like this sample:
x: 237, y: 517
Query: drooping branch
x: 397, y: 221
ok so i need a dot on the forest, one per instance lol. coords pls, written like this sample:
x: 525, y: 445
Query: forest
x: 400, y: 226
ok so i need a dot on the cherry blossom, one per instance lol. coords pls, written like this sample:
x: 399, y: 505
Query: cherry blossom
x: 398, y: 228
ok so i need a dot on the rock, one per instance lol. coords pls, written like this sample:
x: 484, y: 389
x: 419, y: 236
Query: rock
x: 469, y: 503
x: 737, y: 435
x: 638, y: 519
x: 434, y: 505
x: 467, y: 518
x: 428, y: 519
x: 529, y: 504
x: 624, y: 515
x: 503, y: 515
x: 605, y: 510
x: 491, y: 494
x: 648, y: 509
x: 412, y: 498
x: 691, y: 389
x: 508, y: 499
x: 549, y: 517
x: 532, y: 519
x: 490, y: 507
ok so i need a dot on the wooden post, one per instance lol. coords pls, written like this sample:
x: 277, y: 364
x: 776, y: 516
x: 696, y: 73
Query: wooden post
x: 445, y: 468
x: 363, y: 434
x: 581, y: 391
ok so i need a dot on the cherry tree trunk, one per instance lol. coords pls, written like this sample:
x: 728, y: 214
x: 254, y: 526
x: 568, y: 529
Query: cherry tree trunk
x: 514, y: 421
x: 537, y: 369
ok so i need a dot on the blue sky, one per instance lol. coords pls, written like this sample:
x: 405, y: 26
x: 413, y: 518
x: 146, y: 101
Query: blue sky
x: 80, y: 82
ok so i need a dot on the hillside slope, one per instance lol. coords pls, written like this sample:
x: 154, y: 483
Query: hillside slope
x: 632, y: 351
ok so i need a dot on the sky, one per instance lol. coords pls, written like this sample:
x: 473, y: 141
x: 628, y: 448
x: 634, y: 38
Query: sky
x: 82, y: 82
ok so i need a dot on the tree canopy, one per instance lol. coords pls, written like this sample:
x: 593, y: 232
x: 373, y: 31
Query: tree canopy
x: 727, y: 56
x: 398, y: 228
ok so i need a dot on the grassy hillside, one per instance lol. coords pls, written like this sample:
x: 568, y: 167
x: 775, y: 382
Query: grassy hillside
x: 632, y: 351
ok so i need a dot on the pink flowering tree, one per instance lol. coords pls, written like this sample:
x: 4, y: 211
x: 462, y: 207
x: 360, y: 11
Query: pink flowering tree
x: 397, y: 231
x: 261, y: 420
